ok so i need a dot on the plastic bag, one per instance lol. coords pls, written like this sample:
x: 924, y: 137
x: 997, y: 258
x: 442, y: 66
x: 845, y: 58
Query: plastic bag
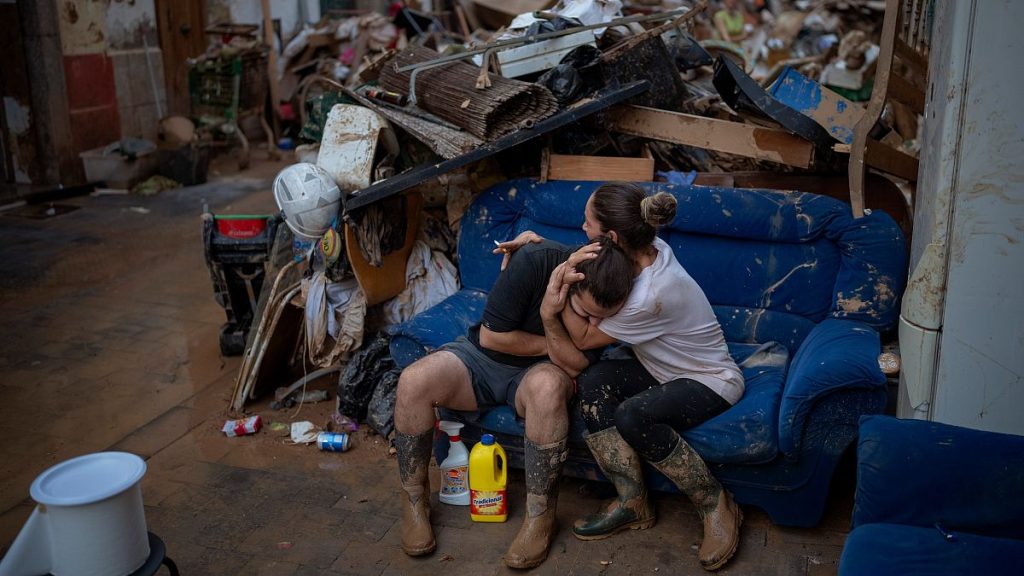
x: 578, y: 74
x: 361, y: 375
x: 381, y: 412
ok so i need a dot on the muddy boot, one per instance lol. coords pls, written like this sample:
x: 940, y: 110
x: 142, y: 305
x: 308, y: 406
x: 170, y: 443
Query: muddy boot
x: 543, y: 468
x: 621, y: 464
x: 413, y: 463
x: 720, y: 514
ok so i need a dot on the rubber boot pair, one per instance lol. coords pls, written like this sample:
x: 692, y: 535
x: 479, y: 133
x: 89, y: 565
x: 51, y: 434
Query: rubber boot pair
x: 631, y: 510
x: 721, y: 516
x: 543, y: 468
x: 413, y: 463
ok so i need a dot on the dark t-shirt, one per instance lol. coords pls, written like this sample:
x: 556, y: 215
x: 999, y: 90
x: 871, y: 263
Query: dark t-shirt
x: 514, y: 301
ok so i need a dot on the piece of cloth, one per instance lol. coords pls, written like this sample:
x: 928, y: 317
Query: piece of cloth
x: 649, y: 415
x: 335, y: 310
x: 674, y: 333
x: 429, y: 279
x: 514, y: 301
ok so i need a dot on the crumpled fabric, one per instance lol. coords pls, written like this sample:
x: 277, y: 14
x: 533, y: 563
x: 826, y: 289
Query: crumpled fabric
x: 429, y: 279
x: 334, y: 318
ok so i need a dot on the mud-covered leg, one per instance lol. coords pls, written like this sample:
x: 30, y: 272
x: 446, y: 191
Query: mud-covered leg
x: 413, y: 463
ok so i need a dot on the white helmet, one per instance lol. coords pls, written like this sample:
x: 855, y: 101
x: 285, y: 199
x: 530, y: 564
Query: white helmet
x: 309, y: 198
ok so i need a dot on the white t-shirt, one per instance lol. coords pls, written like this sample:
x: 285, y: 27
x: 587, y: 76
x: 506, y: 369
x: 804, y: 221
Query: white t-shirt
x: 673, y: 330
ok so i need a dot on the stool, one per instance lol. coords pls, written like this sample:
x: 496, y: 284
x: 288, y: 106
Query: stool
x: 157, y: 557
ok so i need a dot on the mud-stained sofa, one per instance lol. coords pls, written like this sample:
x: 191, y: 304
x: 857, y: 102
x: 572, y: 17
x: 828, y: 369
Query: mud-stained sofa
x: 935, y: 499
x: 801, y: 288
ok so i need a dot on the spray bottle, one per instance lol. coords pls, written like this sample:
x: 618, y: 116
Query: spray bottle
x: 455, y: 468
x: 487, y: 476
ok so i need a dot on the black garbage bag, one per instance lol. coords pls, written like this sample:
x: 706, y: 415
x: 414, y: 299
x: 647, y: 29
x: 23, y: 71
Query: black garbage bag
x: 361, y: 376
x: 381, y: 414
x: 577, y: 75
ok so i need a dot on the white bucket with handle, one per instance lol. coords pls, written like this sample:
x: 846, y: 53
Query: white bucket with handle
x: 89, y: 520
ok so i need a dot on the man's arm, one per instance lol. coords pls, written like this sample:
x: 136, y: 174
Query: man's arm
x: 516, y: 342
x: 584, y: 335
x: 561, y: 350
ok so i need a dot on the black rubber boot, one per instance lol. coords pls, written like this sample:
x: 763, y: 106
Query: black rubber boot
x: 631, y: 510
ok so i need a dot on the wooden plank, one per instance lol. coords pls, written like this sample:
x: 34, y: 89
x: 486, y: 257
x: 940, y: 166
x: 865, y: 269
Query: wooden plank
x: 887, y: 159
x: 599, y: 168
x: 720, y: 135
x: 911, y: 56
x: 410, y: 178
x: 905, y: 92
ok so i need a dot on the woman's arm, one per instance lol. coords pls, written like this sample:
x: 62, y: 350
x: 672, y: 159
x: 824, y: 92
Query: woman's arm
x: 507, y: 248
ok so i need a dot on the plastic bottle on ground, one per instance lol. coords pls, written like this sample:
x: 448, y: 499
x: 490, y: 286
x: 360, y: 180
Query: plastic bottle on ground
x: 455, y: 468
x: 487, y: 481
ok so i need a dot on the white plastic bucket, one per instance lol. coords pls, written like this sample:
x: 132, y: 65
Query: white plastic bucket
x: 89, y: 521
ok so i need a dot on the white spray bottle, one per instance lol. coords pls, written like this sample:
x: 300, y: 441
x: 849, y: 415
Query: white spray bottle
x: 455, y: 468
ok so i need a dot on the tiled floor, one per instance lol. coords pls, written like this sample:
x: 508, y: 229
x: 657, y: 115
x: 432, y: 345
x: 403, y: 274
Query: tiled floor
x: 109, y: 341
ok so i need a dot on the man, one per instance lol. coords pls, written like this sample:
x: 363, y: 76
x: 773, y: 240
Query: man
x: 521, y: 355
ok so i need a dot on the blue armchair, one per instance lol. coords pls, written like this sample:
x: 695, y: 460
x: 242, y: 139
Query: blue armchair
x: 801, y: 290
x: 935, y: 499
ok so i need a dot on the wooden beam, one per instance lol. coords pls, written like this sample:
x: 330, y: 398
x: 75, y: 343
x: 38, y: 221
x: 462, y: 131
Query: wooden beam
x: 600, y: 168
x: 890, y: 160
x: 905, y: 92
x: 275, y: 90
x: 720, y: 135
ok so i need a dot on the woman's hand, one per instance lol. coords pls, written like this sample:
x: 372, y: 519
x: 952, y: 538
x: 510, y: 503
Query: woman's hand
x: 507, y: 248
x: 587, y: 252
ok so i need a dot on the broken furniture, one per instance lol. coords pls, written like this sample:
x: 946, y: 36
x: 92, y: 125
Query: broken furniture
x: 905, y: 32
x: 791, y: 268
x: 937, y: 499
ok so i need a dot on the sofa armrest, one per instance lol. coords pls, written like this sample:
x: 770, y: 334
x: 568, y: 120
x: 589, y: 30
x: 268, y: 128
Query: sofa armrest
x: 437, y: 325
x: 836, y: 355
x: 925, y: 473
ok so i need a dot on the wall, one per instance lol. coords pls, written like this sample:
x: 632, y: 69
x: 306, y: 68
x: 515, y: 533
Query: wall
x: 289, y: 12
x: 89, y: 74
x: 139, y: 76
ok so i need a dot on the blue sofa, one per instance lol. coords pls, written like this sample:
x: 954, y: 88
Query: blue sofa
x: 801, y: 290
x: 935, y: 499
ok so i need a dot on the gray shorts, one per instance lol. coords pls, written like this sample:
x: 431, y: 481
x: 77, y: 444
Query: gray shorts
x: 494, y: 383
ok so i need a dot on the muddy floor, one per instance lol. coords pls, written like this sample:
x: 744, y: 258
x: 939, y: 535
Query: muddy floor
x: 109, y: 342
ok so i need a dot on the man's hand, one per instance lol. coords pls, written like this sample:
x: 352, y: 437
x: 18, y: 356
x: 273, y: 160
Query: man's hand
x: 507, y: 248
x: 557, y: 292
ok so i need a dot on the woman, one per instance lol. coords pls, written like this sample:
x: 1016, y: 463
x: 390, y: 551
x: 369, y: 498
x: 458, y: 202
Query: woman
x: 681, y: 375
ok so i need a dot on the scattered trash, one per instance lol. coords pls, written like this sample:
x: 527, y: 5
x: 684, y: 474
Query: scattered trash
x: 243, y: 427
x: 606, y: 562
x: 284, y: 545
x: 341, y: 423
x: 139, y: 210
x: 279, y: 426
x: 303, y: 432
x: 155, y: 185
x: 332, y: 441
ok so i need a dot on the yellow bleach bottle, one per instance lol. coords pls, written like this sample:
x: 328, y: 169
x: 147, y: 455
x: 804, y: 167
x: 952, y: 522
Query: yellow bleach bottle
x: 487, y: 480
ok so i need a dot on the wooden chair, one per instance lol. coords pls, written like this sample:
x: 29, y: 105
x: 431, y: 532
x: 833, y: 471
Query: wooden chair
x: 901, y: 75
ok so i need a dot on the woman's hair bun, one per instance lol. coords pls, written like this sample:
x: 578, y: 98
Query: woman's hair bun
x: 659, y: 209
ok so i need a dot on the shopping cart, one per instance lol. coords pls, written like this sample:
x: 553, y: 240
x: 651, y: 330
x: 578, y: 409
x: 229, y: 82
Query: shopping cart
x: 224, y: 90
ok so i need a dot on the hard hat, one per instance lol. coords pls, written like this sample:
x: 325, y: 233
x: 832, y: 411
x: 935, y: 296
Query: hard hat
x: 309, y: 198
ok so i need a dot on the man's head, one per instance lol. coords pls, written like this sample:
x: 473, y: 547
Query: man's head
x: 606, y: 283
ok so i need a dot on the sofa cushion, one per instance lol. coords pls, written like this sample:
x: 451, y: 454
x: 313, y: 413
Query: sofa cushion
x: 875, y: 549
x: 850, y: 350
x: 917, y: 472
x: 440, y: 324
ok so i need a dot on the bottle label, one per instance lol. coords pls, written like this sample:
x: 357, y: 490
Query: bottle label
x: 488, y: 503
x: 455, y: 480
